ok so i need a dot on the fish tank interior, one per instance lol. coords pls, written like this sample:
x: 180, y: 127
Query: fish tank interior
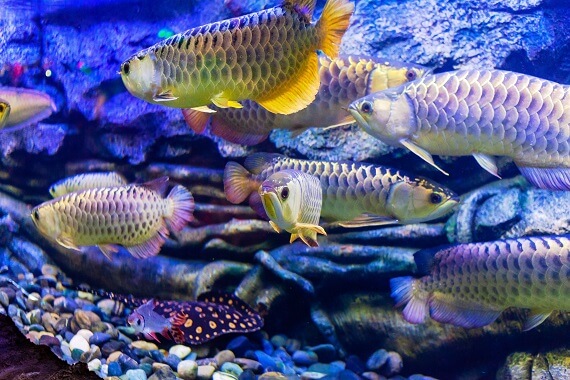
x: 299, y: 189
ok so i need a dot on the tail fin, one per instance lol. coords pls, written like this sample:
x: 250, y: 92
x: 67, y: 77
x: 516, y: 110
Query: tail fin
x: 238, y: 184
x: 182, y: 208
x: 405, y: 292
x: 333, y: 23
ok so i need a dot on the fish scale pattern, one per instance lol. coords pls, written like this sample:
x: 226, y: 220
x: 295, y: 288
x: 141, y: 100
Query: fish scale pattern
x: 342, y: 80
x: 493, y: 112
x: 246, y: 57
x: 528, y: 272
x: 86, y: 181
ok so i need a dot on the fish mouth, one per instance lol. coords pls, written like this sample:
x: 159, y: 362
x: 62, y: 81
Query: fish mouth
x: 269, y: 199
x: 359, y: 119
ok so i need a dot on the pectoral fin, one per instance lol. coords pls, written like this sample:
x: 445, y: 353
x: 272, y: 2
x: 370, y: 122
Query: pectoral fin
x: 311, y: 227
x: 307, y: 233
x: 222, y: 101
x: 275, y: 227
x: 165, y: 96
x: 535, y: 318
x: 488, y: 163
x: 204, y: 109
x: 366, y: 220
x: 348, y: 120
x: 422, y: 153
x: 67, y: 242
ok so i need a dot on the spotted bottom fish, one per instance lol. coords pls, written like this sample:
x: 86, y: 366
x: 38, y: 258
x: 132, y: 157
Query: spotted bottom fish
x: 342, y: 80
x: 292, y: 200
x: 4, y: 113
x: 136, y: 216
x: 86, y: 181
x: 483, y: 113
x: 354, y: 194
x: 469, y: 285
x: 27, y: 106
x: 212, y: 315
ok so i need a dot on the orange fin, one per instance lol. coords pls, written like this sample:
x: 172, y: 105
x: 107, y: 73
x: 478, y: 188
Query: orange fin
x: 182, y: 208
x: 334, y: 21
x: 234, y: 133
x: 108, y: 250
x: 238, y: 184
x: 196, y: 120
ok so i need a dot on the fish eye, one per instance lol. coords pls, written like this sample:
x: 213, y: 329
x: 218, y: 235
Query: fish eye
x: 36, y: 215
x: 285, y: 193
x: 435, y: 198
x: 411, y: 74
x: 126, y: 68
x: 2, y: 107
x: 366, y: 107
x: 138, y: 322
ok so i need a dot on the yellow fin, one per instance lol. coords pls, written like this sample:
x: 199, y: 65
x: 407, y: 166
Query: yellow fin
x: 334, y: 21
x: 307, y: 233
x: 67, y: 242
x: 311, y: 227
x: 275, y: 227
x: 221, y: 100
x: 297, y: 93
x: 205, y: 109
x: 108, y: 250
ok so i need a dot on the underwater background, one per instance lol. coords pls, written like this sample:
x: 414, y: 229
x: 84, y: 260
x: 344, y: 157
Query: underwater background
x: 327, y: 310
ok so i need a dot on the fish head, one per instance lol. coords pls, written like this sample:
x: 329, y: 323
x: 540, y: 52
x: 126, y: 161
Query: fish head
x: 282, y: 198
x: 387, y: 115
x: 392, y: 74
x: 414, y: 200
x: 4, y: 112
x: 141, y: 76
x: 46, y: 221
x: 136, y: 321
x: 147, y: 322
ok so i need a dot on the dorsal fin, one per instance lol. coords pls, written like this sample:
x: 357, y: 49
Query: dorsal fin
x: 159, y: 184
x: 305, y: 8
x: 425, y: 259
x: 257, y: 161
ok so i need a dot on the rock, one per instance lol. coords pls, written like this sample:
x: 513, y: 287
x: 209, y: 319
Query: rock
x: 278, y: 341
x: 94, y: 365
x: 232, y: 369
x: 249, y: 364
x: 127, y: 363
x: 114, y: 356
x: 223, y: 376
x: 372, y: 376
x: 187, y: 369
x: 79, y: 342
x: 311, y: 375
x: 326, y: 353
x: 86, y: 334
x: 93, y: 353
x: 76, y: 354
x: 180, y: 350
x: 114, y: 369
x: 224, y: 357
x: 111, y: 346
x: 205, y: 372
x: 292, y: 345
x: 49, y: 341
x: 304, y: 358
x: 267, y: 362
x: 4, y: 301
x: 135, y: 374
x: 327, y: 369
x: 172, y: 361
x: 164, y: 373
x: 377, y: 360
x: 393, y: 365
x: 99, y: 338
x: 240, y: 345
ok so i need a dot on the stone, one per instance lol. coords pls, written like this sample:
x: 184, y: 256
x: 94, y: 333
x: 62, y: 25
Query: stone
x: 94, y: 365
x: 158, y: 366
x: 49, y: 341
x: 187, y: 369
x: 218, y: 375
x: 180, y: 350
x: 86, y: 334
x: 114, y: 356
x: 326, y: 353
x: 240, y: 345
x: 127, y: 362
x: 164, y: 373
x: 79, y: 342
x: 99, y: 338
x: 93, y: 353
x: 147, y: 368
x: 144, y: 345
x: 377, y: 360
x: 205, y: 372
x: 327, y: 369
x: 76, y: 354
x: 114, y: 369
x: 393, y: 365
x: 249, y: 365
x: 292, y: 345
x: 307, y: 375
x: 278, y: 340
x: 135, y: 374
x: 111, y: 346
x: 224, y: 356
x: 232, y: 369
x: 304, y: 358
x: 172, y: 361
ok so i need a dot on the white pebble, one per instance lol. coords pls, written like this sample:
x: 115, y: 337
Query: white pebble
x: 187, y: 369
x: 79, y: 342
x: 85, y: 334
x: 144, y: 345
x: 94, y: 365
x: 205, y: 372
x: 223, y: 376
x: 180, y: 350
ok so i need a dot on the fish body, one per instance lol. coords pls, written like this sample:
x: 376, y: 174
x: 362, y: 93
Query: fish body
x: 269, y: 56
x: 195, y: 322
x: 26, y: 106
x: 342, y: 80
x: 292, y: 200
x: 469, y: 285
x: 86, y: 181
x: 354, y: 194
x: 484, y: 113
x: 4, y: 113
x: 134, y: 216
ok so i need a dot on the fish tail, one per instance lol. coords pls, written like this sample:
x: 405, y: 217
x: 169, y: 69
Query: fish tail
x: 334, y: 21
x: 238, y: 184
x: 182, y: 207
x: 405, y: 291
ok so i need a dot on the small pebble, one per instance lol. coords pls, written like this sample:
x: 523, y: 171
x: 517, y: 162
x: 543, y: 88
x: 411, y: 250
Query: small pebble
x: 49, y: 341
x: 304, y: 358
x: 111, y: 346
x: 99, y: 338
x: 144, y: 345
x: 172, y: 361
x: 187, y: 369
x: 231, y: 368
x: 34, y: 316
x: 37, y: 328
x: 164, y: 373
x: 94, y: 365
x: 125, y: 339
x: 93, y: 353
x: 224, y: 357
x: 223, y: 376
x: 377, y: 360
x: 205, y: 372
x: 107, y: 306
x: 267, y: 362
x: 347, y: 375
x: 240, y: 345
x: 325, y: 352
x: 4, y: 300
x: 147, y: 368
x: 135, y: 374
x: 180, y: 350
x: 249, y: 364
x: 292, y: 345
x: 311, y: 375
x: 127, y: 362
x: 272, y: 376
x: 327, y: 369
x: 156, y: 366
x: 393, y: 365
x: 114, y: 356
x: 127, y: 330
x: 278, y: 341
x: 87, y: 334
x: 76, y: 354
x: 354, y: 364
x: 114, y: 369
x: 79, y: 342
x: 372, y: 376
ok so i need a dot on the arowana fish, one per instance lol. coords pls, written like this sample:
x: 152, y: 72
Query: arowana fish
x: 469, y: 285
x: 86, y: 181
x: 134, y: 216
x: 292, y: 200
x: 269, y: 56
x: 26, y: 106
x: 196, y: 322
x: 4, y: 113
x: 354, y: 194
x: 483, y: 113
x: 342, y: 80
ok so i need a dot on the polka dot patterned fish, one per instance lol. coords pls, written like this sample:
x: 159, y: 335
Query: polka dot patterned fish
x: 136, y: 216
x: 196, y: 322
x: 269, y: 56
x: 469, y: 285
x: 86, y: 181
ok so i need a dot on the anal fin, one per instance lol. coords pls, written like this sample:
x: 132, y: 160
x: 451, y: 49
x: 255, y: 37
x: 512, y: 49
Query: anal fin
x: 238, y: 134
x: 196, y: 120
x: 488, y: 163
x: 67, y: 242
x: 108, y: 250
x: 422, y: 153
x: 547, y: 178
x: 535, y: 318
x: 149, y: 248
x: 447, y: 309
x: 368, y: 220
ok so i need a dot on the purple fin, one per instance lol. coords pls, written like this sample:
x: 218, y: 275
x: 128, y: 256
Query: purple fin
x: 535, y: 318
x: 258, y: 161
x: 257, y: 205
x: 415, y: 300
x: 235, y: 133
x: 443, y: 308
x: 149, y: 248
x: 182, y: 206
x: 547, y: 178
x: 238, y: 184
x: 196, y: 120
x: 159, y: 184
x: 305, y: 8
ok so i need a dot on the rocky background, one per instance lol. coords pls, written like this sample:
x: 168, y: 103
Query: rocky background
x: 336, y: 293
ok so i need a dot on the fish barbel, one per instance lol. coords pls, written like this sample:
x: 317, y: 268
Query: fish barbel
x: 269, y: 56
x: 469, y: 285
x: 483, y: 113
x: 86, y: 181
x: 354, y: 194
x: 135, y: 216
x: 4, y: 113
x: 292, y: 200
x: 26, y: 106
x: 342, y: 80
